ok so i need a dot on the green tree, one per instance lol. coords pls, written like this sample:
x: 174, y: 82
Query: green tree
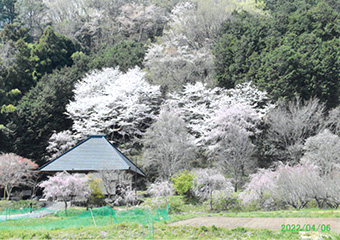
x: 295, y: 52
x: 7, y: 12
x: 126, y: 54
x: 41, y: 111
x: 242, y: 39
x: 16, y: 69
x: 183, y: 182
x: 302, y: 66
x: 14, y: 32
x: 32, y: 13
x: 51, y: 52
x: 97, y: 197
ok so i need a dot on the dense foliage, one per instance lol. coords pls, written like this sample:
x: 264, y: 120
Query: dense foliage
x: 294, y: 52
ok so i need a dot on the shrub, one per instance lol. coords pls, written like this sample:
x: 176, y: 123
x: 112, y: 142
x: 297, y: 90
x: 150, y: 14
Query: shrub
x: 183, y: 182
x: 207, y: 181
x: 279, y: 188
x: 97, y: 198
x: 161, y: 190
x: 176, y: 203
x: 223, y: 200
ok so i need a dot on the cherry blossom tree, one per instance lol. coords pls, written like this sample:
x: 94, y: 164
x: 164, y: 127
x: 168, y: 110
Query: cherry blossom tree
x: 130, y: 197
x: 32, y: 14
x: 142, y: 21
x: 229, y: 140
x: 200, y: 20
x: 61, y: 142
x: 290, y: 124
x: 114, y: 180
x: 61, y: 10
x: 223, y: 123
x: 91, y: 22
x: 167, y: 4
x: 64, y: 186
x: 330, y: 189
x: 172, y: 65
x: 234, y: 154
x: 288, y: 191
x: 172, y: 62
x: 206, y: 181
x: 15, y: 171
x: 65, y: 16
x: 122, y: 106
x: 103, y: 25
x: 257, y: 190
x: 287, y: 185
x: 323, y: 150
x: 199, y: 104
x: 161, y: 190
x: 183, y: 54
x: 167, y: 144
x: 332, y: 121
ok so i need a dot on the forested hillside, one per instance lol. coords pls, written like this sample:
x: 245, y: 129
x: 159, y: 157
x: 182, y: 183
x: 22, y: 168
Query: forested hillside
x: 234, y: 84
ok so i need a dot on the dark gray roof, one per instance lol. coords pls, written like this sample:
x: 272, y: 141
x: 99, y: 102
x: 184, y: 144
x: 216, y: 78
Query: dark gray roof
x: 93, y: 154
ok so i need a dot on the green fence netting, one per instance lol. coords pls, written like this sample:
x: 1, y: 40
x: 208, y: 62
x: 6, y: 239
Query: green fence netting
x: 23, y: 213
x: 11, y: 211
x: 25, y: 218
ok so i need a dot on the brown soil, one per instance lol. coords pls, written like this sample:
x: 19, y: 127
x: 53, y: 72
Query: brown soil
x: 260, y: 223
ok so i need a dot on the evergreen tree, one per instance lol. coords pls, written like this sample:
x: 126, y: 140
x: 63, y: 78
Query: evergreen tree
x: 7, y: 12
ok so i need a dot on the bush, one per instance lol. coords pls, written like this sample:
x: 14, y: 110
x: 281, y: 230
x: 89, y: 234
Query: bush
x: 97, y: 198
x: 161, y: 190
x: 222, y: 200
x: 278, y: 189
x: 183, y: 182
x: 176, y: 203
x: 207, y: 181
x: 312, y: 204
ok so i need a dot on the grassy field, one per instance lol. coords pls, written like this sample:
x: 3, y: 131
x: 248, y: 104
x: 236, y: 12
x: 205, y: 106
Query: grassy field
x: 134, y: 231
x: 303, y: 213
x: 161, y: 231
x: 36, y: 228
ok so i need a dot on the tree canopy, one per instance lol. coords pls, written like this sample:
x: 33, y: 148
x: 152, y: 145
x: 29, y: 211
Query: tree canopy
x: 294, y: 52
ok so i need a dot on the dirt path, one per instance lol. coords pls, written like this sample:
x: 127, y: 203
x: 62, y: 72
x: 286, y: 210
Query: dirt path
x: 260, y: 223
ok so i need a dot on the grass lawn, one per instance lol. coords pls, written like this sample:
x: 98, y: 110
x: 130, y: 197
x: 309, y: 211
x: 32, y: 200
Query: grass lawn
x: 24, y: 229
x: 161, y: 231
x: 303, y: 213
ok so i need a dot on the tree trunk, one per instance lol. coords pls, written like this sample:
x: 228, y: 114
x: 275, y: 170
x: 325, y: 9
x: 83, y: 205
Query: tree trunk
x: 235, y: 187
x: 9, y: 191
x: 236, y: 180
x: 65, y: 206
x: 318, y: 202
x: 211, y: 207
